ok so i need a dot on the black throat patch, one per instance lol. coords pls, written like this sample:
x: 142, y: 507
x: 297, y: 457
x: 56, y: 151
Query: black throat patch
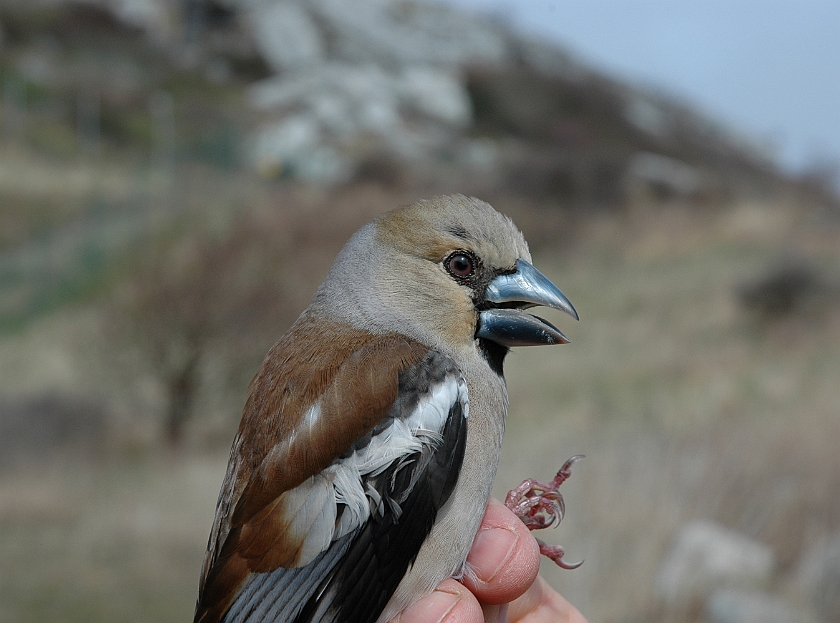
x: 494, y: 354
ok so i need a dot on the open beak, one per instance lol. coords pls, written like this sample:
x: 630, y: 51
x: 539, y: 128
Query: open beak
x: 507, y: 324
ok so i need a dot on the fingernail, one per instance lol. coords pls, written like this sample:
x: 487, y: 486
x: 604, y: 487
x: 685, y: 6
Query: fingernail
x: 432, y: 608
x: 492, y: 548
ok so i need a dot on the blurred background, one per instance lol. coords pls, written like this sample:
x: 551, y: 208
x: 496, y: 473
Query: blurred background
x: 176, y: 177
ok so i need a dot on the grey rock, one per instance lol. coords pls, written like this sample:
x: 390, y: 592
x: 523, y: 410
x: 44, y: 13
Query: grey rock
x: 341, y: 105
x: 740, y: 606
x: 151, y: 16
x: 295, y: 146
x: 435, y: 93
x: 352, y: 88
x: 344, y: 100
x: 322, y: 165
x: 278, y: 142
x: 706, y: 556
x: 393, y: 33
x: 286, y: 35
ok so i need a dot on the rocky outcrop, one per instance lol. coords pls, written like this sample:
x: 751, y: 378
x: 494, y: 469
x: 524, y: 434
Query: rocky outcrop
x: 336, y: 84
x: 732, y: 578
x: 706, y: 556
x: 356, y: 78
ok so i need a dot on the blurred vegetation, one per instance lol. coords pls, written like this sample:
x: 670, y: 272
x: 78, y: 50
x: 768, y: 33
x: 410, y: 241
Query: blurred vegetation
x: 144, y: 273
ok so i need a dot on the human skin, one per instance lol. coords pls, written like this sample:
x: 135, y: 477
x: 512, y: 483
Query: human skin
x: 504, y: 584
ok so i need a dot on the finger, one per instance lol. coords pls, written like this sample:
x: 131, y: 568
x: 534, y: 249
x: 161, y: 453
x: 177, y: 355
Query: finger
x: 495, y: 614
x: 505, y: 558
x: 450, y: 602
x: 542, y: 604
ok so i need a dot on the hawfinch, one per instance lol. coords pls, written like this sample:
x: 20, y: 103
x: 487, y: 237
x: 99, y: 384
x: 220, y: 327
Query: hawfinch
x: 371, y: 433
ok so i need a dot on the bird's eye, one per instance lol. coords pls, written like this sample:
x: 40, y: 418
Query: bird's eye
x: 460, y: 265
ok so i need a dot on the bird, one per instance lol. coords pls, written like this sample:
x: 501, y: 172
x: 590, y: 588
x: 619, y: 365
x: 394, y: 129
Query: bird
x: 371, y: 433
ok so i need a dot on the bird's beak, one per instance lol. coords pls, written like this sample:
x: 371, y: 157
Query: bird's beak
x: 507, y: 324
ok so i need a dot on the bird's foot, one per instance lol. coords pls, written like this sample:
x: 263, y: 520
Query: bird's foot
x: 540, y: 505
x: 556, y: 553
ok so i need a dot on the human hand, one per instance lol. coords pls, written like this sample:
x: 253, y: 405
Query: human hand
x: 503, y: 584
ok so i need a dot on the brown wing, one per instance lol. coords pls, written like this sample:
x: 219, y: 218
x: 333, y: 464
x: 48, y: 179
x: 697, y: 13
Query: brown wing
x: 354, y: 378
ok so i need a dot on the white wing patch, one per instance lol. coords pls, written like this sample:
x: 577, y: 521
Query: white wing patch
x: 311, y: 507
x: 314, y: 503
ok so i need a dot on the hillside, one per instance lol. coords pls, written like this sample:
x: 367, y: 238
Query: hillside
x: 116, y: 118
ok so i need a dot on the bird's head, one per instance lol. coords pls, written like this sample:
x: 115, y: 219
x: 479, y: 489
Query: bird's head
x: 450, y: 272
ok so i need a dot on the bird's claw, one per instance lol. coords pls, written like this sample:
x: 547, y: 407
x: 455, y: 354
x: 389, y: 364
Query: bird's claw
x: 556, y: 553
x: 540, y: 505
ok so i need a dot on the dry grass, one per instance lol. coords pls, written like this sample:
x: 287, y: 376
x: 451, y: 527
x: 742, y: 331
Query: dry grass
x: 106, y: 542
x: 685, y: 406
